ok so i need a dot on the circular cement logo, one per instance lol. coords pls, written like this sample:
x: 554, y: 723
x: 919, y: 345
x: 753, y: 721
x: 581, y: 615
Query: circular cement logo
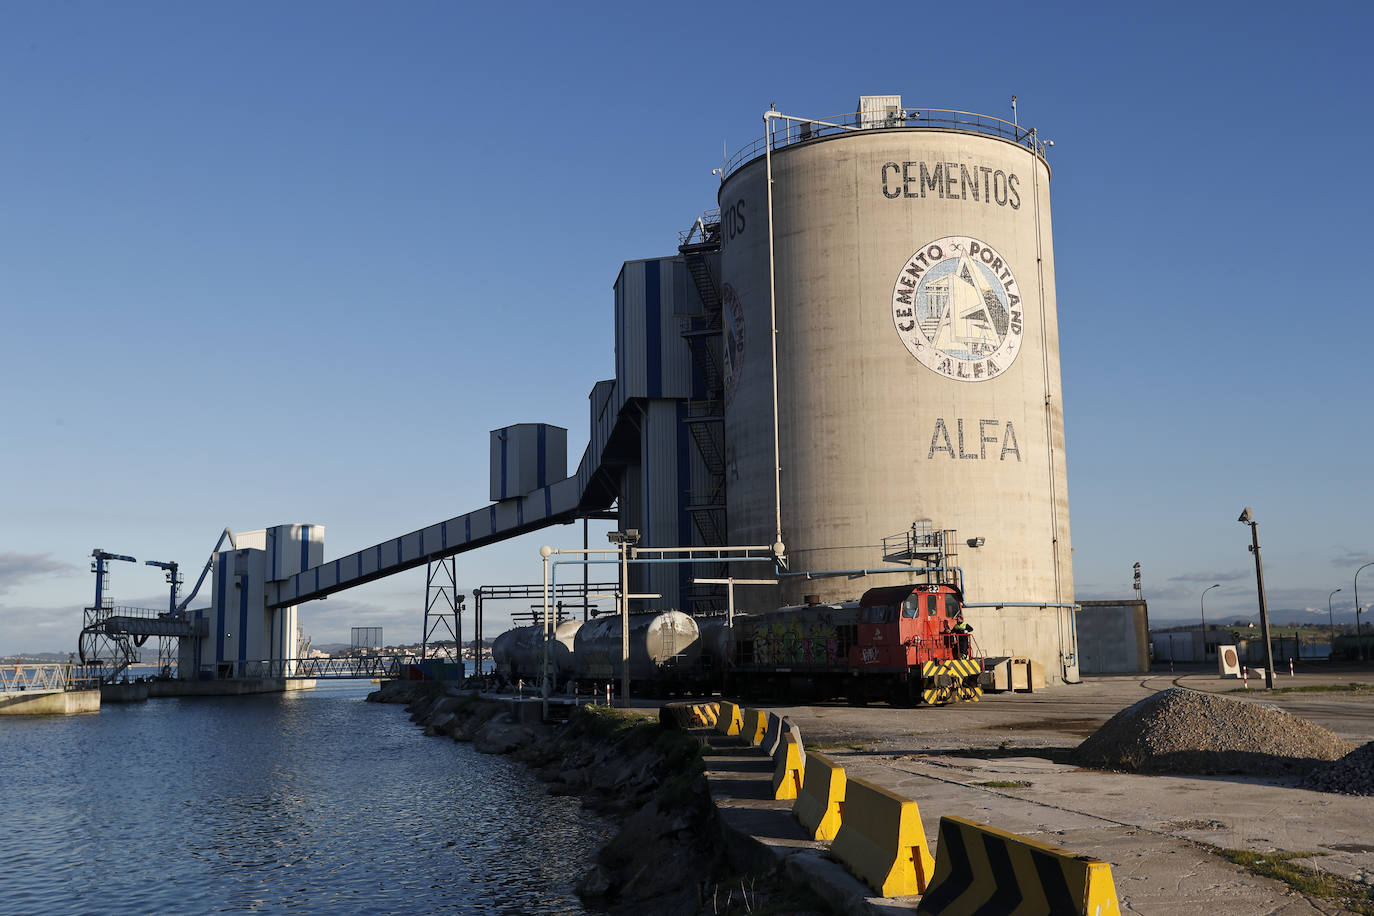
x: 1229, y: 659
x: 958, y: 309
x: 733, y: 349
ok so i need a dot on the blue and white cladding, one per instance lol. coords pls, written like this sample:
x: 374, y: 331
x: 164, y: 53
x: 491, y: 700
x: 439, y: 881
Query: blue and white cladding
x: 292, y: 549
x: 651, y: 360
x: 242, y: 630
x: 525, y: 457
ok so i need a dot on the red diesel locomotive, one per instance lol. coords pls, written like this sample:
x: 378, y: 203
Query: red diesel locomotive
x: 906, y: 644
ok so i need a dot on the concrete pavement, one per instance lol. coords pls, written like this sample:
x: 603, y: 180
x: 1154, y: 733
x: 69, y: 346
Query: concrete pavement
x: 1149, y: 827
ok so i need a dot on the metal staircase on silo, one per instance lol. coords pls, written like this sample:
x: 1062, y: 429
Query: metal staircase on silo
x: 705, y: 417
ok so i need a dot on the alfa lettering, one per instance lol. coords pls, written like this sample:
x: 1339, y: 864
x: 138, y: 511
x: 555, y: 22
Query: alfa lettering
x: 1003, y: 435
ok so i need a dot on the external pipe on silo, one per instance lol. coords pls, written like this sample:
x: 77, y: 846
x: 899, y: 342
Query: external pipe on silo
x: 768, y: 117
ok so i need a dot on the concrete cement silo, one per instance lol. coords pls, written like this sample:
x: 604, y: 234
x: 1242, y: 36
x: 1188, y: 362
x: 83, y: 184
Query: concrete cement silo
x: 907, y: 258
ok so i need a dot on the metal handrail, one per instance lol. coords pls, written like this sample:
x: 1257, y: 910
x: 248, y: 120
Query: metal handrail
x: 49, y: 678
x: 798, y: 130
x: 698, y: 227
x: 143, y: 613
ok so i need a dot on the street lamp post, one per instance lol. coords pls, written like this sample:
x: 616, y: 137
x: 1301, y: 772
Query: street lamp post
x: 1332, y: 619
x: 1202, y: 602
x: 1247, y: 519
x: 1358, y: 632
x: 624, y: 540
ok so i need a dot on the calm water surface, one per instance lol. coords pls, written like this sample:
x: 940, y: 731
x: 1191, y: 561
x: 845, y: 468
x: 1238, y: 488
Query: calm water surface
x: 314, y: 801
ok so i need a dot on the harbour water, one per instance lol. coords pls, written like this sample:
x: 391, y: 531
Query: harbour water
x: 313, y: 801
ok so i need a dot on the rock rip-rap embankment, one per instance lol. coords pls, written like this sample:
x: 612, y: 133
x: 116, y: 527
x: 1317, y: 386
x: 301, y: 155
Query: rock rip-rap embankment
x: 668, y: 854
x: 1187, y: 731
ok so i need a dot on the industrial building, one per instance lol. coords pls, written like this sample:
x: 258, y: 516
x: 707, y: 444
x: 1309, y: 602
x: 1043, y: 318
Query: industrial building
x: 853, y: 357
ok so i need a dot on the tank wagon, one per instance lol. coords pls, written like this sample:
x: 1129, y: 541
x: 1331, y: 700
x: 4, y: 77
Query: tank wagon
x: 518, y: 653
x: 896, y: 643
x: 665, y: 652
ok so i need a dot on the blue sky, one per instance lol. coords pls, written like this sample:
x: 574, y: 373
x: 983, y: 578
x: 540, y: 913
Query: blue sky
x: 265, y: 263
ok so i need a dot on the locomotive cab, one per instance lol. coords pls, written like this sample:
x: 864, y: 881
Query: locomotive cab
x: 905, y: 626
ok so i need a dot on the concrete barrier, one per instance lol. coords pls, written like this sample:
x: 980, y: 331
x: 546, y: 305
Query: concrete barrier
x: 755, y: 724
x: 819, y: 807
x: 707, y: 714
x: 787, y: 768
x: 778, y: 726
x: 729, y: 721
x: 982, y: 869
x: 882, y: 841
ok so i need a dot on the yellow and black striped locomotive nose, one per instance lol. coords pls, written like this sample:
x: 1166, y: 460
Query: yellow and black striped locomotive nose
x: 963, y: 667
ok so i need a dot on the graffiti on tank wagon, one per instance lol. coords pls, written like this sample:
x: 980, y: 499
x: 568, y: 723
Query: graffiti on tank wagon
x: 957, y: 309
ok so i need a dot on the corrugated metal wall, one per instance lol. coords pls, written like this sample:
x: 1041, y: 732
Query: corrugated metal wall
x: 651, y: 361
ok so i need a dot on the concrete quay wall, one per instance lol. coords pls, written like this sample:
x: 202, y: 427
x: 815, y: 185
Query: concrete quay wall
x: 49, y: 703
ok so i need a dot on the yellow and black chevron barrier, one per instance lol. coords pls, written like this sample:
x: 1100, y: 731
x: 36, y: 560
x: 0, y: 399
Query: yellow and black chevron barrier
x: 980, y: 869
x: 728, y: 719
x: 881, y: 840
x: 819, y: 807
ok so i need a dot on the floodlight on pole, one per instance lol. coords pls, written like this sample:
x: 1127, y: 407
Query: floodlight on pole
x: 624, y: 540
x: 1246, y: 518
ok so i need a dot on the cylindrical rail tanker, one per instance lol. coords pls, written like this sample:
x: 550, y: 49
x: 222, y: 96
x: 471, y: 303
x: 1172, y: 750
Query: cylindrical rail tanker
x: 518, y: 653
x: 664, y: 652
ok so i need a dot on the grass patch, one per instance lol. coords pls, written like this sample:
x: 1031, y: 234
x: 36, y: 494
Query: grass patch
x: 1353, y: 895
x: 1352, y: 687
x: 1004, y: 784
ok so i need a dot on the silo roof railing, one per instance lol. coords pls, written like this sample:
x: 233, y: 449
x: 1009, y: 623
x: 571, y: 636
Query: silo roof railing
x: 799, y: 130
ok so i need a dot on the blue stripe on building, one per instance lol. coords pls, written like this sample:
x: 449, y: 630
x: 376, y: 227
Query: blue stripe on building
x: 221, y: 576
x: 548, y: 501
x: 540, y: 452
x: 467, y: 528
x: 305, y: 546
x: 243, y: 624
x: 443, y: 535
x: 503, y: 466
x: 653, y: 329
x: 520, y: 511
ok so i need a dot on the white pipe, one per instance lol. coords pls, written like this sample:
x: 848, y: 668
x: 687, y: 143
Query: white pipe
x: 768, y: 117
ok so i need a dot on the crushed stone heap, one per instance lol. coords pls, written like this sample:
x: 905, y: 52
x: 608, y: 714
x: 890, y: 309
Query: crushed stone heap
x: 1185, y: 731
x: 1353, y: 774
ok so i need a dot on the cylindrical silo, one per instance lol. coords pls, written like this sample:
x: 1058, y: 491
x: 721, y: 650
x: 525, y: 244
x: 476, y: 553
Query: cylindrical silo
x: 917, y: 353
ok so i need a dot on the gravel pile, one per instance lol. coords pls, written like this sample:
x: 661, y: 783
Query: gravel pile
x: 1353, y: 774
x: 1184, y: 731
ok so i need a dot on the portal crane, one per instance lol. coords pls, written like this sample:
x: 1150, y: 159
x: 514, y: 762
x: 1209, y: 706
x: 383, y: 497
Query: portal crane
x: 101, y: 573
x: 173, y: 579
